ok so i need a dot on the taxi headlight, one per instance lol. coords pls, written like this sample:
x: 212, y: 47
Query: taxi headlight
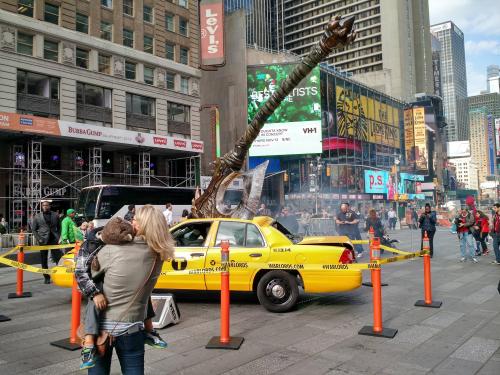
x: 66, y: 262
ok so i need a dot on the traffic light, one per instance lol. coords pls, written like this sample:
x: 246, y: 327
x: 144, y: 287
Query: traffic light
x: 285, y: 176
x: 328, y: 171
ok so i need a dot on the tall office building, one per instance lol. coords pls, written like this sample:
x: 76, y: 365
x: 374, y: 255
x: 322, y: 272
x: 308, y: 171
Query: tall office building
x: 264, y: 19
x: 478, y: 119
x: 103, y: 91
x: 392, y: 51
x: 454, y: 80
x: 436, y: 65
x: 493, y: 78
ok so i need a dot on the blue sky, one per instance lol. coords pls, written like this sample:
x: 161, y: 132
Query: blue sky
x: 480, y: 22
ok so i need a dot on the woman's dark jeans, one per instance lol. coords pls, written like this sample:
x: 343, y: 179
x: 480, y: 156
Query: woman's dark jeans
x: 130, y: 351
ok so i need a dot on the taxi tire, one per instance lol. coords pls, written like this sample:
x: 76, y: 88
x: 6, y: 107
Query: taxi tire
x: 285, y: 280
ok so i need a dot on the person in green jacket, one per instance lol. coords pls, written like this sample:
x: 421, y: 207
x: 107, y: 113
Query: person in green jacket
x: 69, y: 231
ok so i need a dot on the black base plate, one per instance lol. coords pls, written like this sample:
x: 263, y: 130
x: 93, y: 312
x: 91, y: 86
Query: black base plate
x: 386, y: 332
x: 233, y: 344
x: 369, y: 283
x: 434, y: 304
x: 24, y: 295
x: 4, y: 318
x: 66, y: 344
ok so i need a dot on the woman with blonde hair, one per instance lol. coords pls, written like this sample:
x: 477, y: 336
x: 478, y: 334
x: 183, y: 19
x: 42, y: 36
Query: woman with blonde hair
x: 130, y: 274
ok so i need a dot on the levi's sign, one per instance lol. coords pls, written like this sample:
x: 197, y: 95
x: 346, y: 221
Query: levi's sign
x: 212, y: 32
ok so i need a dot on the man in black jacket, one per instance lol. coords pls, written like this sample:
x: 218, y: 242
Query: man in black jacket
x: 46, y: 230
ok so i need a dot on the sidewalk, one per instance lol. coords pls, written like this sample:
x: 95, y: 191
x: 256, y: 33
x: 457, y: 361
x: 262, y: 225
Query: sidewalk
x: 320, y: 337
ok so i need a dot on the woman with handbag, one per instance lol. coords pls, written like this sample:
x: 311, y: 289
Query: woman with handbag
x: 130, y: 274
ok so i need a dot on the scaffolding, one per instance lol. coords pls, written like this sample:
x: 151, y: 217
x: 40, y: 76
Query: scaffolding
x: 18, y: 159
x: 35, y: 178
x: 95, y: 166
x: 145, y: 169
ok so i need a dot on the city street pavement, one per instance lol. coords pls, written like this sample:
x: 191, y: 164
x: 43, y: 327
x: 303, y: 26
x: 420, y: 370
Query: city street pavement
x: 320, y: 337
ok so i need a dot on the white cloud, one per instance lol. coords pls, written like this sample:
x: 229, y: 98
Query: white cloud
x: 471, y: 16
x: 482, y: 46
x: 476, y: 80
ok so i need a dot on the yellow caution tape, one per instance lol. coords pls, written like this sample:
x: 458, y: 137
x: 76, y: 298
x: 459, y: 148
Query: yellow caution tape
x: 393, y: 250
x: 360, y: 242
x: 11, y: 251
x: 46, y: 247
x: 27, y: 267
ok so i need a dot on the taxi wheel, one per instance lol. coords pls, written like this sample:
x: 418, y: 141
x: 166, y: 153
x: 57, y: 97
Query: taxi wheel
x: 278, y: 291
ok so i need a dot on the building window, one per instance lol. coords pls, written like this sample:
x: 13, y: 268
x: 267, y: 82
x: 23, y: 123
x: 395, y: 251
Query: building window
x: 25, y: 7
x: 184, y: 85
x: 170, y: 51
x: 128, y: 7
x: 106, y: 30
x: 82, y: 58
x: 184, y: 56
x: 93, y: 95
x: 149, y: 74
x: 148, y: 14
x: 107, y: 3
x: 140, y: 105
x: 128, y: 38
x: 93, y: 104
x: 24, y: 44
x: 170, y: 78
x: 183, y: 27
x: 50, y: 50
x: 130, y: 70
x: 178, y: 118
x: 104, y: 64
x: 183, y: 3
x: 169, y: 22
x: 37, y: 94
x: 82, y: 23
x: 141, y: 113
x: 148, y: 44
x: 51, y: 13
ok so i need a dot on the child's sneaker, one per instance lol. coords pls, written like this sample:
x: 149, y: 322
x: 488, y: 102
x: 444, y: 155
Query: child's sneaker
x: 88, y: 357
x: 153, y: 339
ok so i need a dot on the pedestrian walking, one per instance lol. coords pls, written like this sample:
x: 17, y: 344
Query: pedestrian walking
x: 495, y: 232
x: 130, y: 213
x: 128, y: 289
x: 392, y: 217
x: 305, y: 221
x: 427, y: 223
x: 373, y: 221
x: 263, y: 210
x: 45, y: 227
x: 69, y: 231
x: 4, y: 226
x: 464, y: 222
x: 347, y: 225
x: 482, y: 228
x: 168, y: 214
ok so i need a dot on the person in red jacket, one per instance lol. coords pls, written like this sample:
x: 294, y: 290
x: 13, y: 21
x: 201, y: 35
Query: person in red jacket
x: 485, y: 231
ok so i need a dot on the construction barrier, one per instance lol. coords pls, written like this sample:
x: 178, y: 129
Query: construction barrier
x: 20, y: 275
x: 73, y: 342
x: 427, y: 301
x: 377, y: 329
x: 224, y: 341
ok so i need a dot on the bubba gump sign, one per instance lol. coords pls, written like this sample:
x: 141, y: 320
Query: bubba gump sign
x: 212, y: 32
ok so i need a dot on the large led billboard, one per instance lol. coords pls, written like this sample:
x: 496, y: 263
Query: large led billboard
x: 295, y: 127
x: 376, y: 182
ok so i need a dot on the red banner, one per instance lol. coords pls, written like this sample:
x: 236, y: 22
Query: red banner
x: 212, y: 32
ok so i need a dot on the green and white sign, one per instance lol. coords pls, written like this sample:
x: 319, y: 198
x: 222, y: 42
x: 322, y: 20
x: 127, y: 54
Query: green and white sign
x: 295, y: 127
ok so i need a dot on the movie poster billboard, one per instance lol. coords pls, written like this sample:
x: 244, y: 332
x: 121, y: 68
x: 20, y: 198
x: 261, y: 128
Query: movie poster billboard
x: 409, y: 138
x: 366, y: 119
x: 295, y: 127
x: 376, y: 181
x: 420, y: 138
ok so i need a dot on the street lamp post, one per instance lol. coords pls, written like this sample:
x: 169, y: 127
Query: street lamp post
x: 316, y: 166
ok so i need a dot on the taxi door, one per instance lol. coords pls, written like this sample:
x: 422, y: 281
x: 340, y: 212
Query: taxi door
x: 191, y: 240
x: 247, y: 248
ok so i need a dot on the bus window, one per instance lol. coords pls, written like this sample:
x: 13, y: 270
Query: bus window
x: 87, y: 203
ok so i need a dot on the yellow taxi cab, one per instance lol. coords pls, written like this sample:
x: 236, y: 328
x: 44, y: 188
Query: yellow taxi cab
x: 264, y: 258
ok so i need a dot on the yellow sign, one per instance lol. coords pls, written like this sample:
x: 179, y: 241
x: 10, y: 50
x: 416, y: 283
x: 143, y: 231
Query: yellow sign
x: 366, y: 119
x: 409, y: 137
x: 420, y: 138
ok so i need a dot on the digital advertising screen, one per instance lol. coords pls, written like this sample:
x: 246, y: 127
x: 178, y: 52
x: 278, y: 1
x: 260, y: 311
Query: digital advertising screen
x: 295, y: 127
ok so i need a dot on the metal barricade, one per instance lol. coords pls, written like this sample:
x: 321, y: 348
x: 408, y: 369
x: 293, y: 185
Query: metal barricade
x: 322, y: 226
